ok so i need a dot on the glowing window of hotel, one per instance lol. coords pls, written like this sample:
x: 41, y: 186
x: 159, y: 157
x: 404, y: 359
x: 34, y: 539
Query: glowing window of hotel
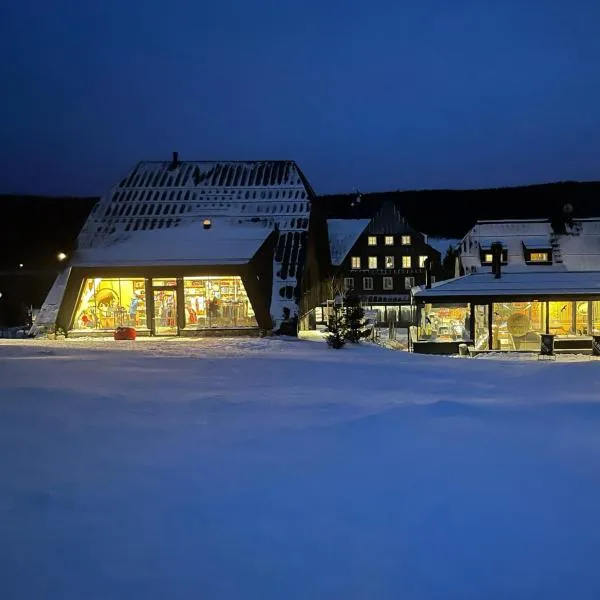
x: 216, y: 302
x: 111, y: 303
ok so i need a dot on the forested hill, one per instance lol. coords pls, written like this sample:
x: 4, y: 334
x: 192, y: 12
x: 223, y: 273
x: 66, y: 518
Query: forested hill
x: 451, y: 213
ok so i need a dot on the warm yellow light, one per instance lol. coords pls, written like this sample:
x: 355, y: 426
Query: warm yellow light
x: 207, y: 223
x: 61, y: 256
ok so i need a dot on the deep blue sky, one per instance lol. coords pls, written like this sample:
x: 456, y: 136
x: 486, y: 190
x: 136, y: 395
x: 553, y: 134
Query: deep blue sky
x: 377, y: 95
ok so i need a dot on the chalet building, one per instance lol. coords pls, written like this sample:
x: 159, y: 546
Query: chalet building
x: 188, y: 248
x: 380, y: 259
x: 522, y: 279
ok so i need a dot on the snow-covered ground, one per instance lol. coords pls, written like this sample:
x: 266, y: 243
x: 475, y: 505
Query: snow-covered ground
x: 278, y: 468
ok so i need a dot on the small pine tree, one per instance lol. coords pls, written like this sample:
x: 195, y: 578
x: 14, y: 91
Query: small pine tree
x: 336, y: 328
x: 354, y: 318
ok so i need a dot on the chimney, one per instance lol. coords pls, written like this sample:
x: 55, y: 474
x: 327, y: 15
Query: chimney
x: 428, y: 274
x: 497, y: 259
x: 175, y: 162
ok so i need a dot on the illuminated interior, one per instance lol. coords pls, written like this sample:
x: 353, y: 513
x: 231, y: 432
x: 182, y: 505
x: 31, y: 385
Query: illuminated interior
x: 444, y: 323
x: 105, y: 304
x: 111, y: 303
x: 518, y: 325
x: 538, y: 257
x: 217, y: 302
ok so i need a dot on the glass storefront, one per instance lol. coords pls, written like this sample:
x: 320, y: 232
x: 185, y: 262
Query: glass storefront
x: 518, y: 325
x: 217, y: 302
x: 111, y: 303
x: 444, y: 323
x: 482, y: 333
x: 209, y: 302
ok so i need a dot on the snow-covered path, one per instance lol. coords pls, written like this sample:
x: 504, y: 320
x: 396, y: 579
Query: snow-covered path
x: 281, y: 469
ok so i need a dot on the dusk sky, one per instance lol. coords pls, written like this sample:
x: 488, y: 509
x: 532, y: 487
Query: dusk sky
x: 371, y: 95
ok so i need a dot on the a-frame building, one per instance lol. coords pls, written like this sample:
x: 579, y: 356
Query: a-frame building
x: 184, y: 247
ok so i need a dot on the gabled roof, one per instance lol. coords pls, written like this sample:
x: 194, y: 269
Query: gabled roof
x: 343, y: 234
x: 227, y: 242
x: 531, y: 284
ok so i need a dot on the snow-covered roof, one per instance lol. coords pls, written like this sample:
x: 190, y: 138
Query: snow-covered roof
x: 531, y: 284
x: 343, y: 234
x: 576, y: 250
x: 442, y: 244
x: 227, y: 242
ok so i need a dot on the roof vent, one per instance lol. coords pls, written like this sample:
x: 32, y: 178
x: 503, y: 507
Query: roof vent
x: 207, y: 223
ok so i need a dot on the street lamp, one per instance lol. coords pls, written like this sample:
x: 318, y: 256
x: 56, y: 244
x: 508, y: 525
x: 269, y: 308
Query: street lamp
x: 61, y: 256
x: 20, y: 265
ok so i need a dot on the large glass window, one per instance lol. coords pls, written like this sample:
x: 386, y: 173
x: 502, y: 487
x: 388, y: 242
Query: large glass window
x: 596, y: 317
x: 561, y: 317
x: 217, y: 302
x: 481, y: 326
x: 444, y: 323
x: 518, y: 325
x: 111, y: 303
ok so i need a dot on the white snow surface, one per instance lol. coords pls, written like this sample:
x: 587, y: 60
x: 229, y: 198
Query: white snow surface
x: 551, y: 283
x: 226, y: 242
x: 278, y: 468
x: 343, y: 234
x: 577, y: 251
x: 442, y: 244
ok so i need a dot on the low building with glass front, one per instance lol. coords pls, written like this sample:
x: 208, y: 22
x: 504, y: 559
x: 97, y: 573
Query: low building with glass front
x: 188, y: 248
x: 507, y: 313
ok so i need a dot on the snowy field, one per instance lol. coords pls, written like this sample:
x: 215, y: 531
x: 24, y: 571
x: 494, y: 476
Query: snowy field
x: 280, y: 469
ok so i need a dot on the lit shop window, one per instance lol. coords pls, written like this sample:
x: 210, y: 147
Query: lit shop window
x: 406, y: 262
x: 444, y: 323
x: 355, y: 262
x: 216, y: 302
x: 388, y: 283
x: 367, y: 283
x: 372, y: 262
x: 422, y: 260
x: 406, y: 240
x: 389, y: 240
x: 389, y: 262
x: 372, y: 240
x: 111, y: 303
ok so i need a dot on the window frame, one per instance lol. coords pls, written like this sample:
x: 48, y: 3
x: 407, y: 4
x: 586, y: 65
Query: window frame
x: 364, y: 282
x: 391, y: 259
x: 371, y: 259
x: 406, y: 240
x: 406, y: 258
x: 388, y: 240
x: 408, y: 279
x: 422, y: 259
x: 371, y: 240
x: 390, y: 281
x: 346, y: 286
x: 356, y: 259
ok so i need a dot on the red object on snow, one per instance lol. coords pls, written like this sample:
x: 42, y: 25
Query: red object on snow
x: 125, y: 333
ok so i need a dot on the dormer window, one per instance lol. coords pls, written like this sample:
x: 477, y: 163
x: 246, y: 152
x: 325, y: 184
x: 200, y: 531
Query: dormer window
x: 538, y: 257
x: 537, y: 251
x: 487, y: 257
